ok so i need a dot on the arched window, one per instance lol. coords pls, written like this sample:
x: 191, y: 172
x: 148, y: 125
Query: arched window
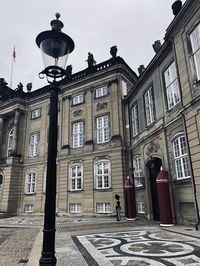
x: 31, y: 182
x: 10, y: 141
x: 76, y: 177
x: 181, y: 157
x: 103, y: 175
x: 137, y: 171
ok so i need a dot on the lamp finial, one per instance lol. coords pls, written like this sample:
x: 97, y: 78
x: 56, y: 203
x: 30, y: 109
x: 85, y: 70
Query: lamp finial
x: 57, y: 15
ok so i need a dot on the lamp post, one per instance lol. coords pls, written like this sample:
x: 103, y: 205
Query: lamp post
x: 55, y: 47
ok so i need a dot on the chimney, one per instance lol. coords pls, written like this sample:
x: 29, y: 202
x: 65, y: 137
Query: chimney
x: 141, y: 69
x: 156, y: 46
x: 176, y: 7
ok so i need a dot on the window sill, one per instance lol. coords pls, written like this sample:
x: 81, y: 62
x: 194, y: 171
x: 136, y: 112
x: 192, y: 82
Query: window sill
x: 150, y: 125
x: 77, y: 104
x: 101, y: 97
x: 175, y: 108
x: 139, y: 187
x: 75, y: 191
x: 182, y: 181
x: 35, y: 118
x: 103, y: 189
x: 30, y: 194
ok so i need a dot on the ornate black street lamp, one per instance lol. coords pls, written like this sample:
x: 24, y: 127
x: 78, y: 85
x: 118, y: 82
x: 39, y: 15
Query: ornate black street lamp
x: 55, y: 47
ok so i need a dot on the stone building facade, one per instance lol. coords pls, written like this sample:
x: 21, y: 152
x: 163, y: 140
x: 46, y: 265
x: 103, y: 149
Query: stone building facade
x: 90, y: 156
x: 164, y: 125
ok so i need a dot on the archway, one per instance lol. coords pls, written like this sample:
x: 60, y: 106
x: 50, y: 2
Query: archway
x: 153, y: 167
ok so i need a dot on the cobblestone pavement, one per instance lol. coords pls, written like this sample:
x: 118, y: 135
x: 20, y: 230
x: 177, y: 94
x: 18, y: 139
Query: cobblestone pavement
x: 152, y: 246
x: 94, y: 241
x: 16, y: 245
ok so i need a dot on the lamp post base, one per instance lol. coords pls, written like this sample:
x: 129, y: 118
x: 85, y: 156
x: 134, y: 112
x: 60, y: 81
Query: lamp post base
x: 48, y: 259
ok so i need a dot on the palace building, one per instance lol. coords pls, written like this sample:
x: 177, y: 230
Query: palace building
x: 90, y: 155
x: 113, y: 126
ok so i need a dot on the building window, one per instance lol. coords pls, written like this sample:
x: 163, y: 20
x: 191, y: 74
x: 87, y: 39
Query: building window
x: 31, y: 183
x: 1, y: 182
x: 135, y: 124
x: 100, y: 92
x: 140, y: 207
x: 137, y: 172
x: 28, y: 208
x: 75, y: 207
x: 76, y: 177
x: 77, y: 99
x: 10, y: 141
x: 103, y: 175
x: 36, y: 113
x: 34, y: 144
x: 102, y: 124
x: 171, y: 84
x: 149, y: 106
x: 103, y: 207
x: 181, y: 158
x: 78, y: 134
x: 195, y: 45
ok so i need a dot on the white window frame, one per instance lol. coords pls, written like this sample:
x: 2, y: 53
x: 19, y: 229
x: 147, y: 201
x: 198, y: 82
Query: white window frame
x: 34, y: 144
x: 102, y: 129
x: 10, y: 141
x: 76, y: 177
x: 195, y: 45
x: 102, y: 91
x: 135, y: 121
x: 138, y: 178
x: 149, y: 106
x: 36, y: 113
x: 102, y: 174
x: 28, y: 208
x: 78, y: 134
x: 171, y: 85
x: 182, y: 164
x: 75, y: 208
x: 77, y: 99
x: 31, y: 182
x: 44, y: 179
x: 140, y: 207
x: 103, y: 207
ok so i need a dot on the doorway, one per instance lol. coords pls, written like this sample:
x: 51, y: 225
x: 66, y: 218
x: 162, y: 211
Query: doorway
x: 153, y: 166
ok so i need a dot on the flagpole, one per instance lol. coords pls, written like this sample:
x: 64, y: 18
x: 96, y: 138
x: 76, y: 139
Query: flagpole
x: 11, y: 74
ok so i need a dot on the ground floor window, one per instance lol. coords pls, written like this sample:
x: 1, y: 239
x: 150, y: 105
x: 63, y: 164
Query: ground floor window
x: 103, y: 207
x: 140, y: 207
x: 28, y: 208
x: 75, y: 207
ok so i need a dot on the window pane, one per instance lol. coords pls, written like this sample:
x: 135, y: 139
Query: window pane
x: 181, y: 158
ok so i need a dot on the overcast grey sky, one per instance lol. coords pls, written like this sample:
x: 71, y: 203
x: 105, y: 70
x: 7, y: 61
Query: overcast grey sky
x: 94, y: 25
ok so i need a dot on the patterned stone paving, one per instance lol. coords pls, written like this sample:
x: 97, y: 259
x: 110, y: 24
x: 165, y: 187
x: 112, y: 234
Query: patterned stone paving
x: 140, y: 247
x: 15, y: 245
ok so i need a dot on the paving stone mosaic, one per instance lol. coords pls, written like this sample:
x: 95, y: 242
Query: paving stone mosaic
x: 140, y: 247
